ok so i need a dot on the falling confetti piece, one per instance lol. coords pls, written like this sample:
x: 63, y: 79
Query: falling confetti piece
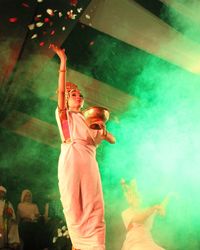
x: 39, y: 24
x: 52, y: 32
x: 31, y: 26
x: 87, y: 16
x: 65, y: 233
x: 46, y: 20
x: 36, y: 19
x: 39, y: 15
x: 63, y: 28
x: 41, y: 44
x: 79, y: 10
x: 25, y: 5
x: 13, y: 19
x: 39, y: 1
x: 50, y: 12
x: 34, y: 36
x: 60, y: 14
x: 73, y: 2
x: 91, y: 43
x: 71, y: 15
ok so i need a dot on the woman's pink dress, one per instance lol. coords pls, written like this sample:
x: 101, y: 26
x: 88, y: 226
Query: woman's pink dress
x: 80, y: 184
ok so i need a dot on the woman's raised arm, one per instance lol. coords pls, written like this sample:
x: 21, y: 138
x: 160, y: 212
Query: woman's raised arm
x: 62, y: 76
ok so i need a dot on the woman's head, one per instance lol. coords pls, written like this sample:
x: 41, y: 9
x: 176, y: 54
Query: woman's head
x: 26, y: 196
x: 73, y: 96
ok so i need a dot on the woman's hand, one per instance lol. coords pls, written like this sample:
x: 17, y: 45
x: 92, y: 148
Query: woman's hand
x: 103, y: 130
x: 60, y: 52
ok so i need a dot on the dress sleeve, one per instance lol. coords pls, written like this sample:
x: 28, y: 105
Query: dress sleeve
x: 63, y: 127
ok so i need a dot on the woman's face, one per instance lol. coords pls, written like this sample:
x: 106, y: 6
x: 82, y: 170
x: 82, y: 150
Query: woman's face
x: 28, y: 197
x: 75, y: 100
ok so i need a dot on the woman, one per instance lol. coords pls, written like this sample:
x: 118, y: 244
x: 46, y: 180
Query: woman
x: 28, y: 213
x: 78, y: 173
x: 139, y: 221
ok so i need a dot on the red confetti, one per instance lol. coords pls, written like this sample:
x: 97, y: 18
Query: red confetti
x: 25, y: 5
x: 46, y: 20
x: 37, y: 18
x: 41, y: 44
x: 52, y: 32
x: 73, y: 2
x: 13, y: 19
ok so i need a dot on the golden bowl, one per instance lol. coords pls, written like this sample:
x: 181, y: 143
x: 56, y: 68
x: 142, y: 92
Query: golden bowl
x: 96, y: 117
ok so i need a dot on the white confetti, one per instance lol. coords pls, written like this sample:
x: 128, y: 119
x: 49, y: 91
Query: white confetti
x: 60, y: 14
x: 50, y: 12
x: 66, y: 233
x: 87, y: 16
x: 54, y: 239
x: 63, y: 28
x: 34, y: 36
x: 39, y: 24
x: 31, y: 26
x: 39, y: 1
x: 79, y: 10
x: 60, y: 235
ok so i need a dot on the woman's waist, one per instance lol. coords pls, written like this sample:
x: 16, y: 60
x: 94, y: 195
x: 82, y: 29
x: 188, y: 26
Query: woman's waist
x: 85, y: 142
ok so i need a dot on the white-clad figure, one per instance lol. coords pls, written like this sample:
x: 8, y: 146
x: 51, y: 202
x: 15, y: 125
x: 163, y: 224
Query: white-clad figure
x: 79, y: 178
x: 9, y: 235
x: 138, y: 221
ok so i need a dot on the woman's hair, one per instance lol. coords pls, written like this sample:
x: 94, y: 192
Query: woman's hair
x: 24, y: 192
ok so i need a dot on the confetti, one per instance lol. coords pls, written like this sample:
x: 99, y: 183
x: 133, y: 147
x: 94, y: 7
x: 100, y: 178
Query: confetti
x: 52, y: 32
x: 63, y: 28
x: 13, y: 19
x: 39, y: 1
x: 46, y: 20
x: 34, y: 36
x: 39, y: 24
x: 60, y: 14
x: 87, y: 16
x: 65, y: 233
x: 41, y: 44
x: 79, y: 10
x: 31, y: 26
x: 39, y: 15
x: 73, y: 2
x: 36, y: 18
x: 25, y: 5
x: 91, y: 43
x: 71, y: 15
x: 50, y: 12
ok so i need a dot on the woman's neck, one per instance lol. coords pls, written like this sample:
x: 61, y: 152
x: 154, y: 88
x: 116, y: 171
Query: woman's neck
x: 74, y: 109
